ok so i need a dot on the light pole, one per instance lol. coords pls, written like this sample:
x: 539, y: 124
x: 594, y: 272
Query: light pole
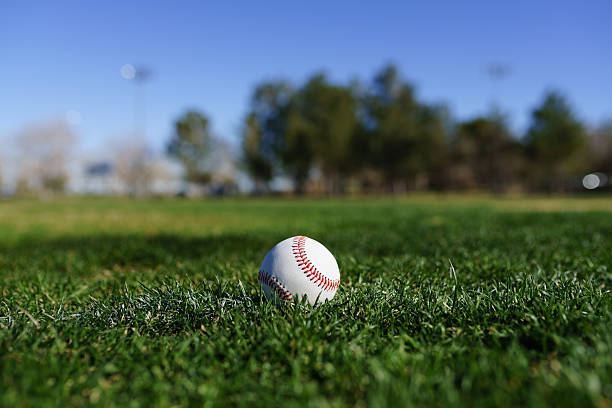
x: 139, y: 76
x: 497, y: 72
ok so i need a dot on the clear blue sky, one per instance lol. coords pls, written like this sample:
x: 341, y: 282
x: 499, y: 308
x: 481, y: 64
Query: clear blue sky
x: 57, y: 56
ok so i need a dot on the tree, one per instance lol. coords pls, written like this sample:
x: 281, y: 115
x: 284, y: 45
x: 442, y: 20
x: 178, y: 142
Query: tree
x: 191, y: 144
x: 44, y: 151
x: 555, y: 143
x: 432, y: 145
x: 484, y: 155
x: 406, y: 138
x: 321, y: 128
x: 297, y: 154
x: 222, y: 165
x: 391, y: 124
x: 264, y: 134
x: 134, y: 167
x: 601, y: 149
x: 1, y: 181
x: 257, y: 164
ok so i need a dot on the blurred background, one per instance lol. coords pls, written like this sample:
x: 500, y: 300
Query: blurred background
x: 201, y: 98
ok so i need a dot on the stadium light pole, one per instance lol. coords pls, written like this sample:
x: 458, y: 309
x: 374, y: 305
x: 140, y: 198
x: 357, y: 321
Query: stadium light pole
x: 497, y: 72
x: 139, y: 76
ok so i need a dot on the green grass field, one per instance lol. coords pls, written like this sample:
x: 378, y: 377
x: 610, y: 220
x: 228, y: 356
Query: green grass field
x: 113, y: 302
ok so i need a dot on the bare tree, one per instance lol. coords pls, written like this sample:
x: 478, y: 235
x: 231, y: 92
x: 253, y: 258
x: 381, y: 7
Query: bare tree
x: 134, y: 167
x: 44, y: 150
x: 223, y: 167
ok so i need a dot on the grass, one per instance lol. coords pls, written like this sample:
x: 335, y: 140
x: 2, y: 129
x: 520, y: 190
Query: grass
x: 114, y: 302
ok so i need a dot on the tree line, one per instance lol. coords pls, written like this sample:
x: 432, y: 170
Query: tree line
x: 379, y: 137
x: 372, y: 136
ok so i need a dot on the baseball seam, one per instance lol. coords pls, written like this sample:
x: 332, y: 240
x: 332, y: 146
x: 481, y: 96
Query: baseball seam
x: 307, y: 267
x: 275, y: 285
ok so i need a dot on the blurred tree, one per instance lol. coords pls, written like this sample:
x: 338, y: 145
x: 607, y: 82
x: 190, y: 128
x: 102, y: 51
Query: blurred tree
x: 432, y: 145
x: 406, y: 139
x: 264, y: 133
x: 45, y: 150
x: 191, y: 145
x: 23, y: 187
x: 391, y: 124
x: 362, y: 163
x: 323, y: 133
x: 298, y: 149
x: 222, y: 165
x: 135, y: 167
x: 484, y: 155
x: 256, y: 163
x: 601, y: 149
x: 555, y: 143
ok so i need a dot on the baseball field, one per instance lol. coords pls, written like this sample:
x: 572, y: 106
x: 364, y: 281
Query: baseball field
x: 444, y: 301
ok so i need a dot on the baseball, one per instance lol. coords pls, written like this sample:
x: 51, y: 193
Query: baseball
x: 298, y: 267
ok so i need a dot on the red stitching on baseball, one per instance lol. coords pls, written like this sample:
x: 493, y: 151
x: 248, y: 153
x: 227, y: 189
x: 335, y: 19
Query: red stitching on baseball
x: 275, y: 285
x: 299, y: 251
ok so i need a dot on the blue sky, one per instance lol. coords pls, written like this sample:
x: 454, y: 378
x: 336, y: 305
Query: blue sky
x: 58, y: 56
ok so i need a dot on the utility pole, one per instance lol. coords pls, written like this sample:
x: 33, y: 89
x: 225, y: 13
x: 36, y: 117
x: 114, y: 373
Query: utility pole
x: 139, y: 76
x: 497, y: 72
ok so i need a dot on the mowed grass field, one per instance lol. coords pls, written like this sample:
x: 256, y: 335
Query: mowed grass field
x: 116, y: 302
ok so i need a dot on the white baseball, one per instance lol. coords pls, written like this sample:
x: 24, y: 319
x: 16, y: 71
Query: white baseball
x: 298, y: 267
